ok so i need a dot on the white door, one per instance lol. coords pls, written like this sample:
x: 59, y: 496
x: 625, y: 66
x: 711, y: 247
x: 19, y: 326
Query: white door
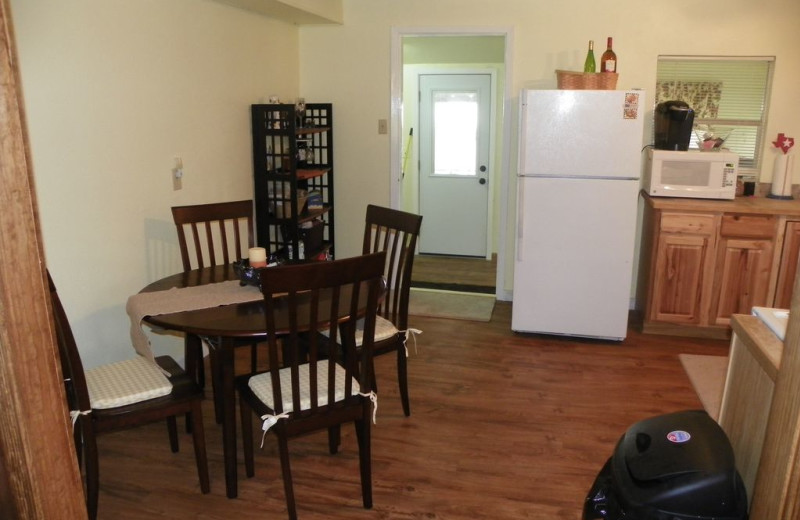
x: 454, y: 184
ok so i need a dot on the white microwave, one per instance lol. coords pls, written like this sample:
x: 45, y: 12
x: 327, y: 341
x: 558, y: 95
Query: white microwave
x: 692, y: 174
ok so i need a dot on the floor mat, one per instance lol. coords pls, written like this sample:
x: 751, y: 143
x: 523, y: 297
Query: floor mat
x: 453, y: 305
x: 707, y: 374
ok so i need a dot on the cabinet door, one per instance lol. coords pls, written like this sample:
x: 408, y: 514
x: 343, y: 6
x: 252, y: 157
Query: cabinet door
x: 788, y: 266
x: 680, y: 270
x: 744, y: 263
x: 743, y: 269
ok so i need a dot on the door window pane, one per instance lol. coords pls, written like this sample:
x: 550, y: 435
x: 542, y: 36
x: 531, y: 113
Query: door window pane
x: 455, y: 133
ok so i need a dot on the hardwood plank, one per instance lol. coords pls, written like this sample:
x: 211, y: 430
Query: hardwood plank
x: 447, y: 270
x: 503, y: 425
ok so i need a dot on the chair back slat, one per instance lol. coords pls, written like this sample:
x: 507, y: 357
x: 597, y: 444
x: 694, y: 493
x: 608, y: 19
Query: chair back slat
x: 321, y: 296
x: 396, y: 233
x: 71, y: 365
x: 214, y: 230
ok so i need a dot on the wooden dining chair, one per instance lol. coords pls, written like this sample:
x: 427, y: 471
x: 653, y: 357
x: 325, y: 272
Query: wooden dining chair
x: 124, y: 395
x: 209, y: 235
x: 396, y: 233
x: 308, y: 388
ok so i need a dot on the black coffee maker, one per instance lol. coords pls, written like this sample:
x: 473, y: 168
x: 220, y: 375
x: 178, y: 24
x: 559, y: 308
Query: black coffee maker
x: 673, y: 125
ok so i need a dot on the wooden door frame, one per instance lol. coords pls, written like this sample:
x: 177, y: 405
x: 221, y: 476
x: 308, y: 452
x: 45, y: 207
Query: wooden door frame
x: 39, y: 475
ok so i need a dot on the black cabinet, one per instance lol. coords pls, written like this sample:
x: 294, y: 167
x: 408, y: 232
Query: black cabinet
x: 293, y: 180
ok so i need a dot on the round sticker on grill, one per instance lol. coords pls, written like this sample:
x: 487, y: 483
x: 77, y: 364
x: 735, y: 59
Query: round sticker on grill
x: 678, y: 436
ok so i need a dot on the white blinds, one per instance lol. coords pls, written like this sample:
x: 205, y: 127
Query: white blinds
x: 731, y: 96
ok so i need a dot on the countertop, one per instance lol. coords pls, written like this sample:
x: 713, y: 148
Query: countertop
x: 742, y: 205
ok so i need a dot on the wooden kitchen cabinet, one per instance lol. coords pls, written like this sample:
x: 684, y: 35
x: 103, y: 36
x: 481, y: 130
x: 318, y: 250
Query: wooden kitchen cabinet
x: 702, y: 261
x: 788, y: 265
x: 683, y: 262
x: 743, y: 264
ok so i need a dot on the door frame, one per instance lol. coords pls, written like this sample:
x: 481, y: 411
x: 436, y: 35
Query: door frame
x: 36, y: 443
x: 424, y: 70
x: 397, y: 137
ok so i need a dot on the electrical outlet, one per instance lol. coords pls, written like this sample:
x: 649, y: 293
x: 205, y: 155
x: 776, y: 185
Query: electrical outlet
x: 383, y: 126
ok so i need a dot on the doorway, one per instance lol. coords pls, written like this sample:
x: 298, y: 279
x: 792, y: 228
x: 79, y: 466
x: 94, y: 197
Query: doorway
x: 419, y: 51
x: 454, y: 157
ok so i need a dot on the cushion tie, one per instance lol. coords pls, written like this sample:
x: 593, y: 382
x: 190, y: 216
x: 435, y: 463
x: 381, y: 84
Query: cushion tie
x: 413, y: 333
x: 269, y: 422
x: 74, y: 414
x: 374, y: 398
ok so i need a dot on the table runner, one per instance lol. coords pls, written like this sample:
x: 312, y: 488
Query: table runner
x: 178, y: 300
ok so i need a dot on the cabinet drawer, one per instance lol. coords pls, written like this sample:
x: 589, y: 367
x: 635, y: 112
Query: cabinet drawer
x: 687, y: 223
x: 748, y: 226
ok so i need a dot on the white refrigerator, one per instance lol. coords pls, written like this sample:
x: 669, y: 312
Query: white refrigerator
x: 580, y: 156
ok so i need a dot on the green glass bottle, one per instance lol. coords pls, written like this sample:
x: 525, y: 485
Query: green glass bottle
x: 589, y: 65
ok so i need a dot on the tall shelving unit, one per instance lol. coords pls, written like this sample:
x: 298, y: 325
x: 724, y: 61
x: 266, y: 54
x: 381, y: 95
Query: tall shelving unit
x: 292, y: 162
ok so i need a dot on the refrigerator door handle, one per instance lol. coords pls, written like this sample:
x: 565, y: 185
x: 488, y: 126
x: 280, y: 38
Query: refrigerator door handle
x: 520, y: 218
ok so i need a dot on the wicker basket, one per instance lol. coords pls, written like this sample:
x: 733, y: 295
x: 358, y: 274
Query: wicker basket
x: 569, y: 80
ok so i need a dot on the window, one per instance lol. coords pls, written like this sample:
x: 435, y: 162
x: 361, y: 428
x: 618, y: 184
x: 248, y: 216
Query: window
x: 729, y: 97
x: 455, y: 117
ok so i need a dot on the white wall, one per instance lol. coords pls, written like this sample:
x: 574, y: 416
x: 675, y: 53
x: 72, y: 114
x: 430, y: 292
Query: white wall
x: 114, y: 89
x: 349, y: 65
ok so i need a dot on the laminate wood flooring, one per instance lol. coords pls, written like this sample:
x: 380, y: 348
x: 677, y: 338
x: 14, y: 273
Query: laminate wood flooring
x: 502, y: 426
x: 454, y: 273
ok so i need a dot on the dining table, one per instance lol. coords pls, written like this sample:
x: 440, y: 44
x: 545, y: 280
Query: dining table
x: 224, y: 327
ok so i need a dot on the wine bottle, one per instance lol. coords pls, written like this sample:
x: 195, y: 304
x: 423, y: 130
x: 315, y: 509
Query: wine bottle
x: 589, y: 64
x: 608, y: 61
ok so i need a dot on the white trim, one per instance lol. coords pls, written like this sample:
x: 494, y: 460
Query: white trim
x: 396, y: 126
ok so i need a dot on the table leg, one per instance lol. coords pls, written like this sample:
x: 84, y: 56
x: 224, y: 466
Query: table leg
x: 215, y: 361
x: 193, y: 360
x: 225, y: 359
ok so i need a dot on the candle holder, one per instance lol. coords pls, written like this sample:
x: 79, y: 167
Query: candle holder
x: 247, y: 275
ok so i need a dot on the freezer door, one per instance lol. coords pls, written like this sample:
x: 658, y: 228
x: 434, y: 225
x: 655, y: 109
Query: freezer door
x: 574, y: 257
x: 591, y: 133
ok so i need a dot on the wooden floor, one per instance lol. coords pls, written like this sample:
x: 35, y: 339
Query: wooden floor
x: 502, y: 426
x: 454, y: 270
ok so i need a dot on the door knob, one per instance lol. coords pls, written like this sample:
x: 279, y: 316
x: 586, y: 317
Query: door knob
x: 482, y: 168
x: 482, y: 181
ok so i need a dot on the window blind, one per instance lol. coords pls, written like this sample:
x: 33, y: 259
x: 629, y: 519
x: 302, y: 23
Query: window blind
x: 731, y: 95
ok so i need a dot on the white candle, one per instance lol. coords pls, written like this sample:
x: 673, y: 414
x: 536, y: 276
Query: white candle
x: 257, y: 257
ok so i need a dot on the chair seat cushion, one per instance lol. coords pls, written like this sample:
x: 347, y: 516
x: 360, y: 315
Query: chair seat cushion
x: 384, y: 329
x: 126, y: 382
x: 261, y: 385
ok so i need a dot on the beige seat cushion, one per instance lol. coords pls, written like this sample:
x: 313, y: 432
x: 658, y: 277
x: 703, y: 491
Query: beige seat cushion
x: 261, y: 385
x: 384, y: 329
x: 126, y: 382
